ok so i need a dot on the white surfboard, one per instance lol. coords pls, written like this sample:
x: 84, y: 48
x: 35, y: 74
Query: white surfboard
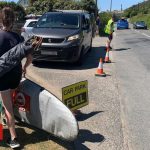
x: 36, y: 106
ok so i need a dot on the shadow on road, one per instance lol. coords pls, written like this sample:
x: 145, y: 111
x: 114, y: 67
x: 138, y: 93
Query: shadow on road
x: 87, y: 136
x: 25, y: 138
x: 121, y: 49
x: 81, y: 116
x: 36, y: 136
x: 90, y: 61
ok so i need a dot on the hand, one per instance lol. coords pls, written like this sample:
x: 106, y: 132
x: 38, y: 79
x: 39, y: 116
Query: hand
x: 24, y: 71
x: 37, y: 41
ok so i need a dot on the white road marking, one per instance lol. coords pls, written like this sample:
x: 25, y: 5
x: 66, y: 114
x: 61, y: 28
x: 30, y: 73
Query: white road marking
x: 142, y: 33
x: 146, y: 35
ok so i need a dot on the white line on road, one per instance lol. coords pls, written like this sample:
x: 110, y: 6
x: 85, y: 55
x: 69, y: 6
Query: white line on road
x: 146, y: 35
x: 142, y: 33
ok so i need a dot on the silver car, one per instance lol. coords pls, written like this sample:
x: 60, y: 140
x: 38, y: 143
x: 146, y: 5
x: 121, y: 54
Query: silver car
x: 26, y: 30
x: 67, y: 36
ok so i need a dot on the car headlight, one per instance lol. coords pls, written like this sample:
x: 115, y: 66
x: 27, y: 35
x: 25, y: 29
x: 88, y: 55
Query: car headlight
x: 74, y: 37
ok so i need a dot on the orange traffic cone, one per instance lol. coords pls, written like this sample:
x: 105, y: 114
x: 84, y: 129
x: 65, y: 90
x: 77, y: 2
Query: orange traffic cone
x: 99, y: 71
x: 107, y: 60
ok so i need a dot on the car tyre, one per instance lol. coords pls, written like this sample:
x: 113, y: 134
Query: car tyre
x: 79, y: 62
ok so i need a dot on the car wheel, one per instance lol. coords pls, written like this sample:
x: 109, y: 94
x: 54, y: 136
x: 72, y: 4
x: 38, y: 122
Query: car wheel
x: 79, y: 62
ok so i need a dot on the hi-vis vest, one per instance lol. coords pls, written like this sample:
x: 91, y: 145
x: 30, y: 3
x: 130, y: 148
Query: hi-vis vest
x: 108, y: 28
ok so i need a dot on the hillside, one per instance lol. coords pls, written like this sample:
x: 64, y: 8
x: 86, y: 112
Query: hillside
x: 139, y: 12
x: 140, y: 8
x: 141, y: 17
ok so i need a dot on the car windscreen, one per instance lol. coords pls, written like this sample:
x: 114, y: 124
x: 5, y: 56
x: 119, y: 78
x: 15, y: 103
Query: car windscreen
x: 59, y: 20
x: 141, y: 23
x: 123, y: 21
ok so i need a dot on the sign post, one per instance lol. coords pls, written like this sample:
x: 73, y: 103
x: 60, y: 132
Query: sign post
x: 75, y: 96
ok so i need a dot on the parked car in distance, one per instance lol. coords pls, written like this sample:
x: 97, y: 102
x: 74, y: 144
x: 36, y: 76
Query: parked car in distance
x: 122, y: 24
x: 32, y: 16
x: 67, y: 36
x: 140, y: 25
x: 26, y: 30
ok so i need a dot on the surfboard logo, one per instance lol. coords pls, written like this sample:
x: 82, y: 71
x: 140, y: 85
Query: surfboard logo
x: 21, y: 101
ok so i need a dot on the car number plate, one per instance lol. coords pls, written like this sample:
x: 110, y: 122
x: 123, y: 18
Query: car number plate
x: 48, y: 52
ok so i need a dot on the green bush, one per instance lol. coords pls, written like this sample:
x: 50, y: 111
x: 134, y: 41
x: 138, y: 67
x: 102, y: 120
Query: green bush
x: 104, y: 17
x: 48, y: 5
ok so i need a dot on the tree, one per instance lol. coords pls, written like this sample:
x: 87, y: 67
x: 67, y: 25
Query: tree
x: 31, y: 2
x: 66, y: 5
x: 45, y: 6
x: 19, y: 10
x: 48, y: 5
x: 89, y: 5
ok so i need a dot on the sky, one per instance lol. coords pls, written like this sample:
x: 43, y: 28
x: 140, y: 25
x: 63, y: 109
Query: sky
x: 104, y: 5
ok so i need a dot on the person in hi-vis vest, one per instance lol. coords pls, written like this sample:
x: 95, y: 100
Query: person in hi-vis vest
x: 109, y: 29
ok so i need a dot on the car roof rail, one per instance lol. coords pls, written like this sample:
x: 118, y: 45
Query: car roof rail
x: 56, y: 10
x: 78, y: 11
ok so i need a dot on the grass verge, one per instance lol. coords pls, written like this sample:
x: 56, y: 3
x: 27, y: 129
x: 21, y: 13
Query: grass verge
x: 141, y: 17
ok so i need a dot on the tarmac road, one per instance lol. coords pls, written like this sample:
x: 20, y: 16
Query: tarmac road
x: 99, y: 122
x: 132, y: 64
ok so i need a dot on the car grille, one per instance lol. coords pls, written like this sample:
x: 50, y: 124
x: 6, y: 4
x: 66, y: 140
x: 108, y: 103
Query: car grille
x: 49, y: 48
x: 52, y: 40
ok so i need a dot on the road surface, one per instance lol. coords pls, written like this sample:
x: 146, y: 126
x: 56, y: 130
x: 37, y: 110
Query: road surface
x: 99, y: 122
x: 132, y: 66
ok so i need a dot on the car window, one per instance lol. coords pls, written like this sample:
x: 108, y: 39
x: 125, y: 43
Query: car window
x: 141, y: 22
x: 83, y: 22
x: 88, y: 23
x: 122, y: 21
x: 59, y: 20
x: 32, y: 24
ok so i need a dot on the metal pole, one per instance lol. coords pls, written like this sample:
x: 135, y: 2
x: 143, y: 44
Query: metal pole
x: 96, y: 3
x: 110, y: 5
x: 96, y: 7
